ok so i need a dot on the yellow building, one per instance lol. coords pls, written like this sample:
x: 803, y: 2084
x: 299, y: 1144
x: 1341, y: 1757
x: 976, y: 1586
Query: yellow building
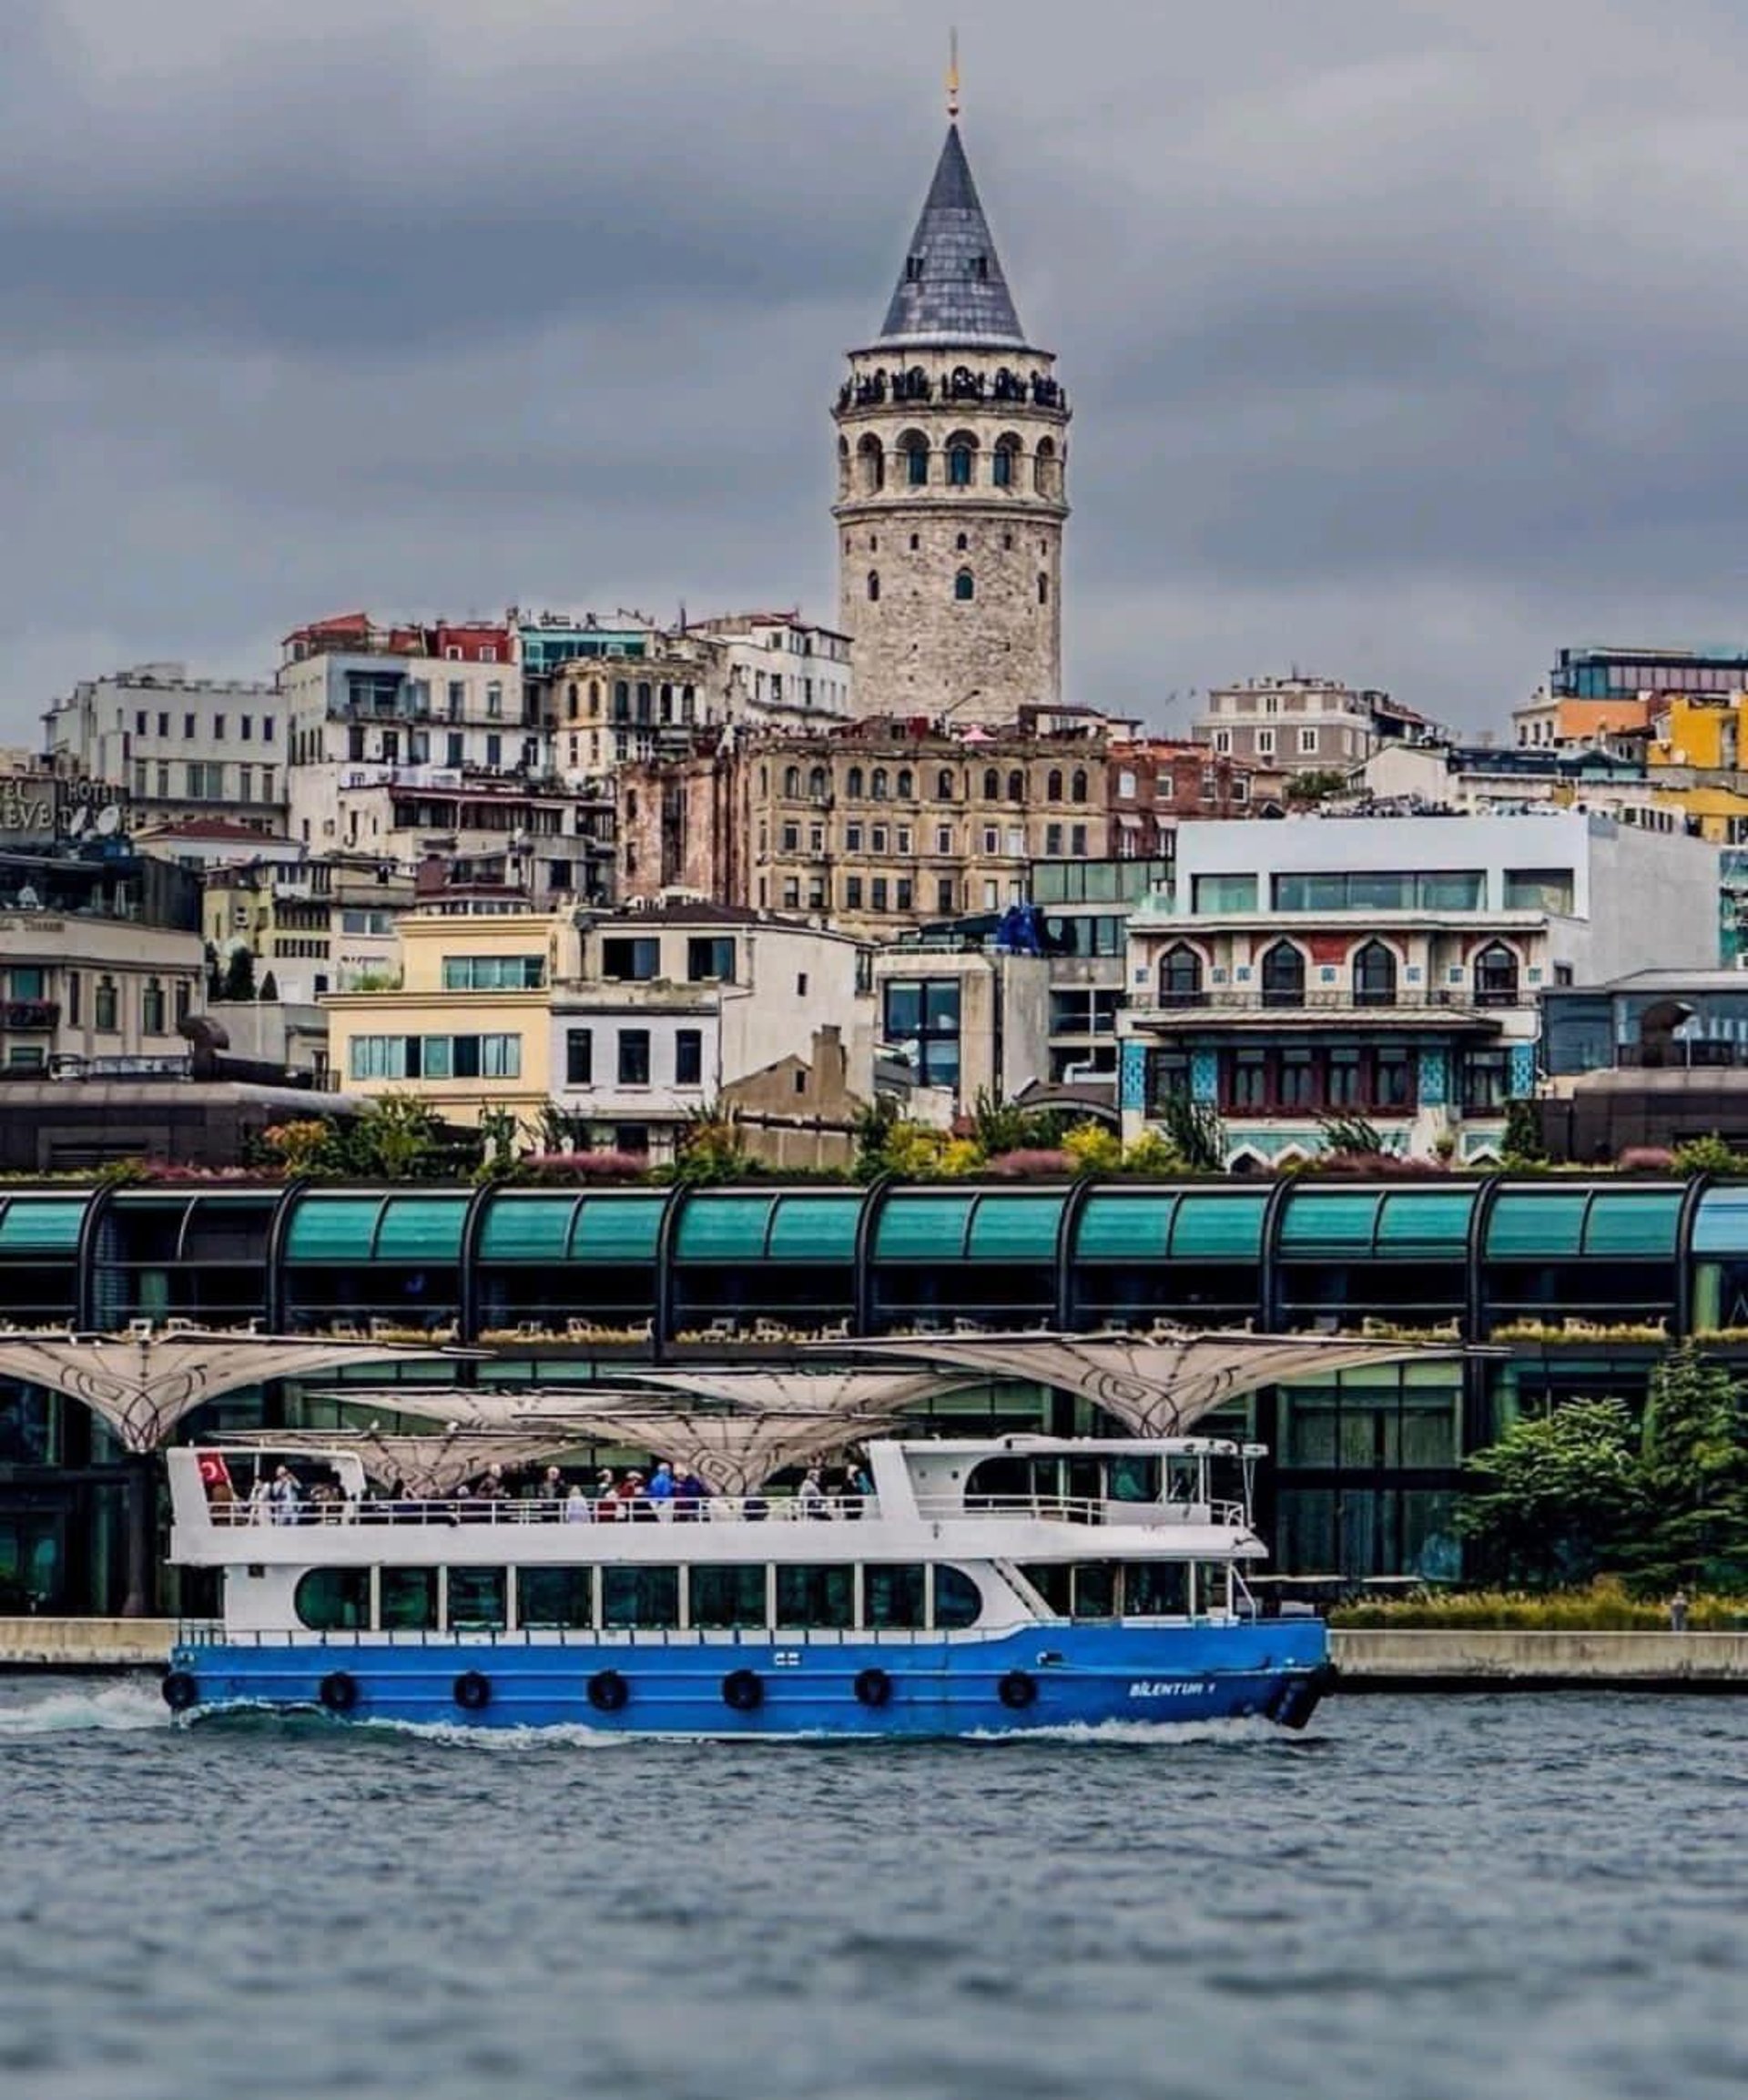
x: 1718, y: 814
x: 1701, y: 733
x: 468, y: 1029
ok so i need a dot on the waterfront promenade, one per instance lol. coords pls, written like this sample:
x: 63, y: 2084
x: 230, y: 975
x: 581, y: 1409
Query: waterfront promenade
x: 1413, y: 1660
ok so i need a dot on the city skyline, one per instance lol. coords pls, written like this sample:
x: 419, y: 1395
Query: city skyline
x: 1400, y: 347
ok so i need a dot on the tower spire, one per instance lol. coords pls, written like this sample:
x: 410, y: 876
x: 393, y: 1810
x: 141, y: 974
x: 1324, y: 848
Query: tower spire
x: 952, y: 77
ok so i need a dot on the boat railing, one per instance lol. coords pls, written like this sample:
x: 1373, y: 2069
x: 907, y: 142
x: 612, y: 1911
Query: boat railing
x: 511, y: 1510
x: 1082, y: 1510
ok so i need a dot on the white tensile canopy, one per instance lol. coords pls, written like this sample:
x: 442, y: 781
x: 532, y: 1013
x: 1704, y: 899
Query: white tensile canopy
x: 427, y: 1467
x: 142, y: 1384
x: 1160, y: 1385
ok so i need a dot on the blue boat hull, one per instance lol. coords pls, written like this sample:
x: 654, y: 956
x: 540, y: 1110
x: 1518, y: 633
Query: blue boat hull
x: 1043, y: 1676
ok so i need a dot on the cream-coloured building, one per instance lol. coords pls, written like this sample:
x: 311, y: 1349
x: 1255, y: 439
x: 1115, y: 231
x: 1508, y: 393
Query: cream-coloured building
x: 467, y: 1029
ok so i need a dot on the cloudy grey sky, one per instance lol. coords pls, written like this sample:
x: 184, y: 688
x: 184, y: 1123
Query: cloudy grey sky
x: 1406, y: 337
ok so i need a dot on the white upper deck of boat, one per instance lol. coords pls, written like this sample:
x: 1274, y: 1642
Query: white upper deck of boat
x: 1019, y: 1497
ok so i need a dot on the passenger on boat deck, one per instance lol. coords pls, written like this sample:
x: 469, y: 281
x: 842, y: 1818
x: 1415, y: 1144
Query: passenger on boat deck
x: 493, y: 1486
x: 260, y: 1498
x: 811, y: 1494
x: 577, y: 1507
x: 690, y: 1495
x: 551, y: 1485
x: 632, y: 1501
x: 285, y: 1495
x: 858, y: 1488
x: 661, y: 1491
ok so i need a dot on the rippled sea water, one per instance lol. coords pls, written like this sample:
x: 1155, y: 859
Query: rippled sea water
x: 1510, y: 1896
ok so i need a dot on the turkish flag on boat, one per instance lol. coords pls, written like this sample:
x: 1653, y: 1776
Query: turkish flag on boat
x: 214, y: 1472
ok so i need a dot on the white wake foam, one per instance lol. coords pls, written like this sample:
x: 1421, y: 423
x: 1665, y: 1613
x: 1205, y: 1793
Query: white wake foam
x: 65, y: 1708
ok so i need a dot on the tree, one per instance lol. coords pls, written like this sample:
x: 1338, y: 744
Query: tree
x: 269, y: 991
x: 394, y: 1140
x: 1557, y: 1496
x: 1694, y: 1466
x: 240, y: 974
x: 1195, y: 1133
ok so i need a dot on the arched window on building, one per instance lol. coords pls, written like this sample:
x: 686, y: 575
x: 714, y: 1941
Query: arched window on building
x: 991, y: 784
x: 964, y: 586
x: 1284, y: 975
x: 873, y: 585
x: 1180, y: 976
x: 1077, y: 787
x: 1016, y: 787
x: 877, y: 785
x: 853, y: 783
x: 944, y: 784
x: 1375, y: 975
x: 819, y: 781
x: 1496, y: 975
x: 1053, y: 784
x: 792, y: 780
x: 907, y: 784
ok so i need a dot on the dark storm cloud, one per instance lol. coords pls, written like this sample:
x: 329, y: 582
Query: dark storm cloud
x: 1405, y: 340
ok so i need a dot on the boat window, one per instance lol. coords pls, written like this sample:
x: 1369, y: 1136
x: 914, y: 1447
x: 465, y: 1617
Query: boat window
x: 476, y: 1600
x: 640, y: 1596
x: 958, y: 1600
x: 1155, y: 1589
x: 894, y: 1596
x: 729, y: 1595
x: 1212, y: 1586
x: 1132, y: 1479
x: 817, y: 1596
x: 334, y: 1599
x: 1095, y: 1589
x: 554, y: 1597
x: 1050, y: 1579
x: 409, y: 1599
x: 1182, y: 1479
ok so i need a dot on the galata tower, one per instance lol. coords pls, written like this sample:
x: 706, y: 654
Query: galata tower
x: 952, y: 452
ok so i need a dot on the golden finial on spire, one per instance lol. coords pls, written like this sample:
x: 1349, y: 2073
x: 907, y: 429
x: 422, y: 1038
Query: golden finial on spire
x: 952, y: 75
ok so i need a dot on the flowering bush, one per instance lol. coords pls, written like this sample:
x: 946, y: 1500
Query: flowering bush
x: 598, y: 1166
x: 1030, y: 1160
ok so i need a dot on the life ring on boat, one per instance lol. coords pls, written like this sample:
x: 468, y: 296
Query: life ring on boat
x: 472, y: 1691
x: 337, y: 1691
x: 607, y: 1691
x: 742, y: 1690
x: 1017, y: 1691
x: 180, y: 1691
x: 873, y: 1687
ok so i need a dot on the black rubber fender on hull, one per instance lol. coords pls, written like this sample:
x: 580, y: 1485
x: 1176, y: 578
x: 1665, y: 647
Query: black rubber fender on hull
x: 181, y: 1690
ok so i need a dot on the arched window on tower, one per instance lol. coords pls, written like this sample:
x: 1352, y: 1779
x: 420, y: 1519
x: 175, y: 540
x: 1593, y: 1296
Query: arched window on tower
x: 915, y: 448
x: 961, y: 460
x: 872, y: 457
x: 873, y: 585
x: 964, y: 586
x: 1004, y: 462
x: 843, y: 467
x: 1043, y: 467
x: 963, y: 542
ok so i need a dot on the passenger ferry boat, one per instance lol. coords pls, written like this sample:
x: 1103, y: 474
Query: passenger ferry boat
x: 1007, y: 1584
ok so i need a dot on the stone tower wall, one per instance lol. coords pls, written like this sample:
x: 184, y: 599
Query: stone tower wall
x: 921, y: 649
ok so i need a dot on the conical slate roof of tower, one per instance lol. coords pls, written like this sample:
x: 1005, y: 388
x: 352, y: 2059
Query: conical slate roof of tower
x: 953, y: 289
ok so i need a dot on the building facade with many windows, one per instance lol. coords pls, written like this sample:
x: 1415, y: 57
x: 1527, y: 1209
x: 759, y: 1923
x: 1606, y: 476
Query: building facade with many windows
x: 1387, y: 969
